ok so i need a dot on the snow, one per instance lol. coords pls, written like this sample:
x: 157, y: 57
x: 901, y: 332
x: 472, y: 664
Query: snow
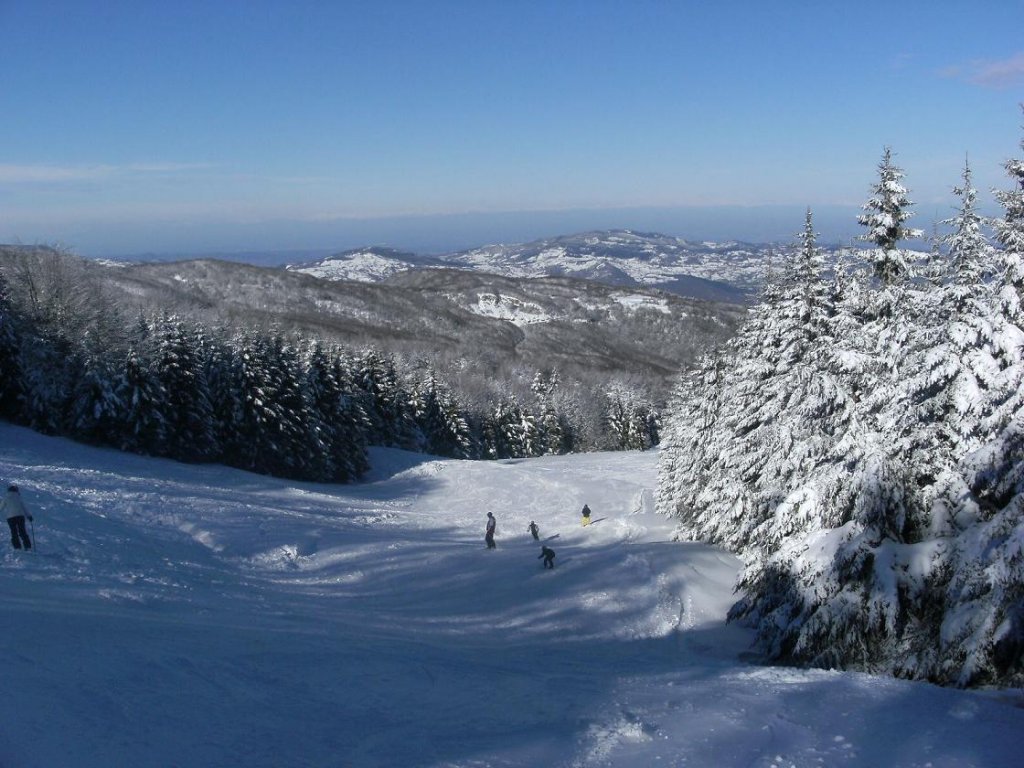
x: 521, y: 312
x: 183, y: 615
x: 362, y: 266
x: 637, y: 301
x: 516, y: 311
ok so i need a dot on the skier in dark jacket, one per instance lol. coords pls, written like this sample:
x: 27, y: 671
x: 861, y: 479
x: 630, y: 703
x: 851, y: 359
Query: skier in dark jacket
x: 13, y: 506
x: 534, y: 530
x: 549, y: 557
x: 489, y: 534
x: 586, y: 515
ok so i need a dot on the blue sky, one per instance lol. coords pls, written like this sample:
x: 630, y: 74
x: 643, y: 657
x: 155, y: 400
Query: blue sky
x: 220, y: 126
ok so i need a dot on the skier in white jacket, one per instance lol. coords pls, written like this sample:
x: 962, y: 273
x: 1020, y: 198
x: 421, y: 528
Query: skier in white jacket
x: 16, y: 513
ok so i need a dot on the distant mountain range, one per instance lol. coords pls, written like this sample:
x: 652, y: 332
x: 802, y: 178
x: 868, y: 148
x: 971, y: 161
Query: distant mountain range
x: 599, y: 307
x: 473, y: 322
x: 730, y: 271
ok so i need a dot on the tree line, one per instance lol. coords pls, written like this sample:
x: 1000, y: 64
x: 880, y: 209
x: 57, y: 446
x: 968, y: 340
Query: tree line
x: 162, y: 384
x: 860, y: 444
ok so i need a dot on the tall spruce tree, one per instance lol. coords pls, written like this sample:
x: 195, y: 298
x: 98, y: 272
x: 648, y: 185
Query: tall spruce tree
x: 143, y: 401
x: 95, y: 408
x: 444, y: 428
x: 298, y: 448
x: 555, y: 431
x: 632, y: 421
x: 339, y: 435
x: 189, y: 432
x: 888, y: 210
x: 810, y: 291
x: 387, y: 401
x: 324, y: 393
x: 222, y: 367
x: 255, y: 449
x: 510, y: 431
x: 350, y: 424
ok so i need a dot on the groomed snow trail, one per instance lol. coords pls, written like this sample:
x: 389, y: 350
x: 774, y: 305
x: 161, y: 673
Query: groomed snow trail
x: 180, y: 615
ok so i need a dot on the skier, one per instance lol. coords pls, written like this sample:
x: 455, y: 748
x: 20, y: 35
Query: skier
x: 533, y: 529
x: 586, y: 515
x: 549, y: 557
x: 16, y: 514
x: 489, y: 535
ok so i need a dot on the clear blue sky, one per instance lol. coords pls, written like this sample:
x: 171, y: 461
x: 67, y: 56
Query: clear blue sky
x: 187, y: 126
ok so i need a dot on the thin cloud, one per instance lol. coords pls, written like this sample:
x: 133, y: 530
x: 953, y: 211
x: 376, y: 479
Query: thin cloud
x: 988, y: 73
x: 33, y: 174
x: 13, y: 173
x: 164, y: 167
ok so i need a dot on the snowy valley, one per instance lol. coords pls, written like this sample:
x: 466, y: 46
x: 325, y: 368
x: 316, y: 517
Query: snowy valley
x: 198, y: 616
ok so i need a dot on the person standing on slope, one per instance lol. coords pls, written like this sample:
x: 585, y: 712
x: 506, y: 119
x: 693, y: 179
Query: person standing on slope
x: 14, y: 507
x: 534, y: 530
x: 489, y: 534
x: 549, y: 557
x: 586, y: 515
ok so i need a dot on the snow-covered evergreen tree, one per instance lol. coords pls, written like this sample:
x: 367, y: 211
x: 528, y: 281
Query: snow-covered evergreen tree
x: 49, y: 363
x: 887, y: 213
x: 255, y: 448
x: 387, y: 401
x: 807, y: 283
x: 555, y: 430
x: 341, y: 423
x: 295, y: 430
x: 444, y: 427
x: 178, y: 363
x: 982, y: 630
x: 869, y: 470
x: 142, y: 401
x: 632, y: 420
x: 348, y: 422
x: 510, y: 431
x: 1010, y: 226
x: 772, y: 403
x: 957, y: 367
x: 222, y: 367
x: 95, y: 407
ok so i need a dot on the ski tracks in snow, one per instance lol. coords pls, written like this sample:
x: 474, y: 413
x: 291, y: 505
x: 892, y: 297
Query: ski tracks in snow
x: 205, y: 616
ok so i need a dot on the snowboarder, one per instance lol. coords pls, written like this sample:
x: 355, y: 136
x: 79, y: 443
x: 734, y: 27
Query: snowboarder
x: 534, y: 530
x: 549, y: 557
x: 489, y: 535
x: 16, y: 514
x: 586, y: 515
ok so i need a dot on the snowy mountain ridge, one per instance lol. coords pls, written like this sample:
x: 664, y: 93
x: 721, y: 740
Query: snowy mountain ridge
x: 623, y: 256
x: 716, y: 271
x: 365, y: 265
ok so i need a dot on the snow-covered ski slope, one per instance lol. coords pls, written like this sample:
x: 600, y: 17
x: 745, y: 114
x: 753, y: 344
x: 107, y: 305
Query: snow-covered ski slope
x: 197, y: 616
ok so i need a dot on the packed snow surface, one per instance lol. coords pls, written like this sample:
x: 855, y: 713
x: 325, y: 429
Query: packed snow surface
x: 177, y: 615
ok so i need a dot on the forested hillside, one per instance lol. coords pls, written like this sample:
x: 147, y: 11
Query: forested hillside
x: 860, y: 444
x: 287, y: 374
